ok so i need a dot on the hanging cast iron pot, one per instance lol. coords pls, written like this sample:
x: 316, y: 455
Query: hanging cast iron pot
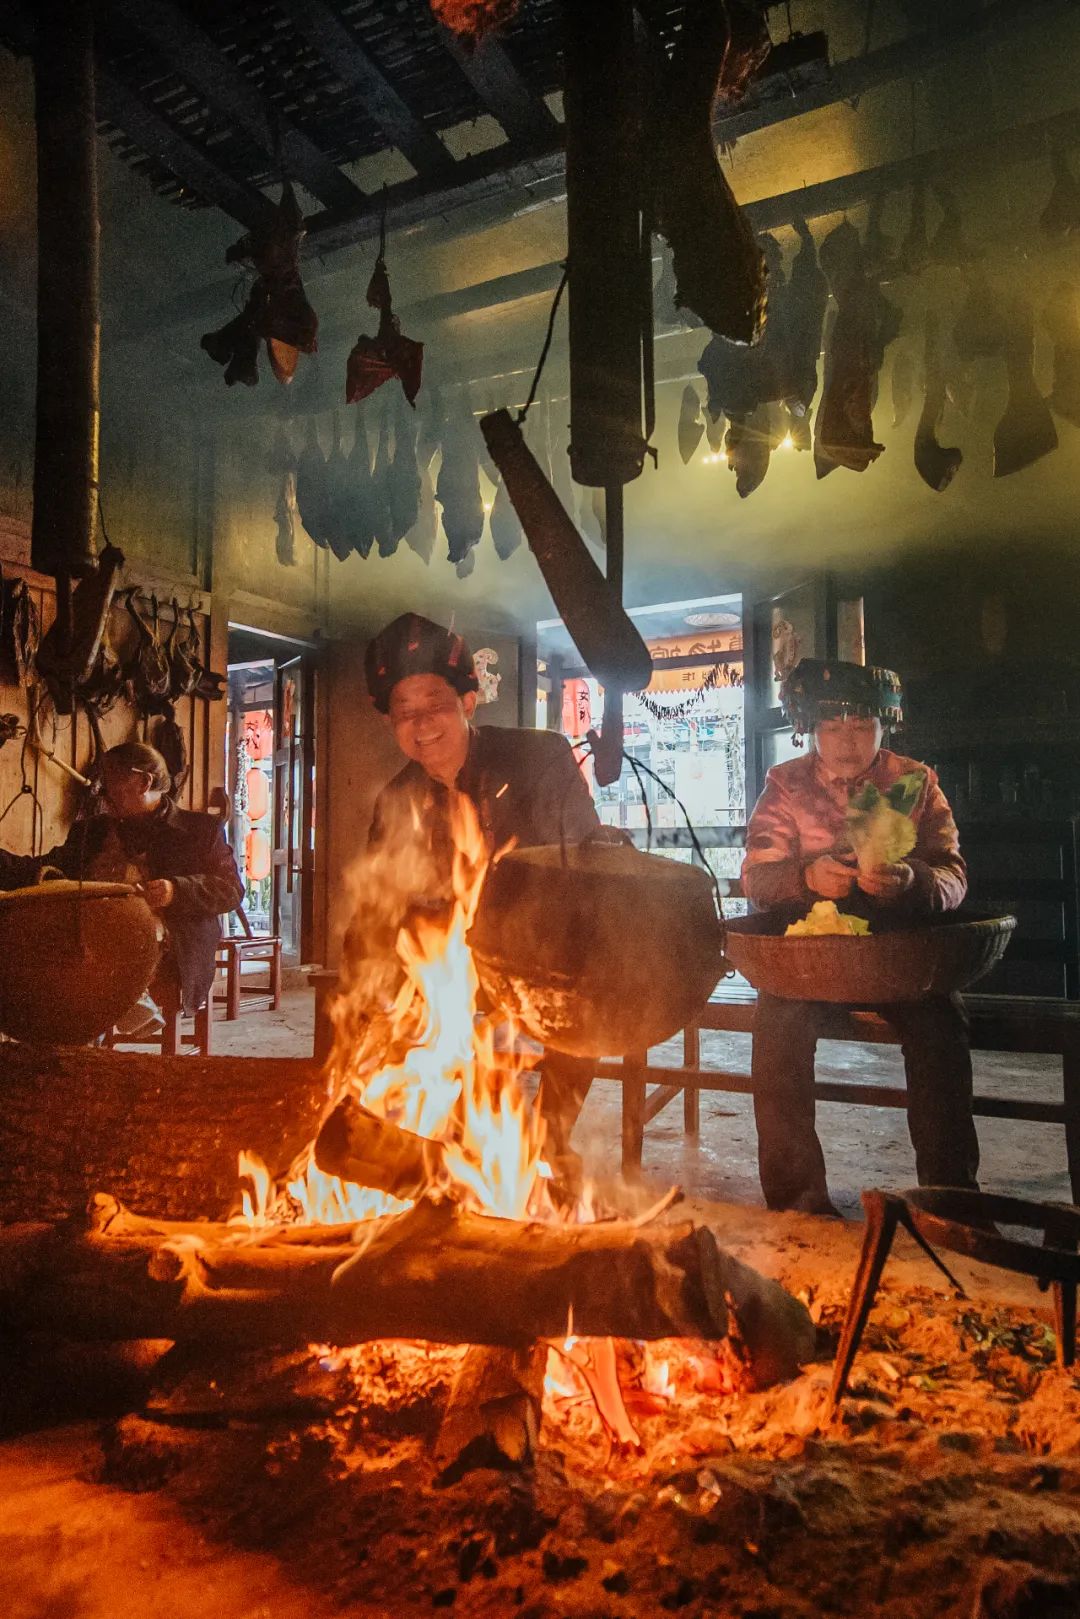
x: 598, y: 949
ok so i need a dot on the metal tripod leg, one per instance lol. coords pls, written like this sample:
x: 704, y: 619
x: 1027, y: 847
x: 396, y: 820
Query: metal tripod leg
x: 882, y: 1216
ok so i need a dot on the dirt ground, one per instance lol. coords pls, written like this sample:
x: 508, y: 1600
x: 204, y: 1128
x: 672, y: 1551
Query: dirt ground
x: 950, y: 1484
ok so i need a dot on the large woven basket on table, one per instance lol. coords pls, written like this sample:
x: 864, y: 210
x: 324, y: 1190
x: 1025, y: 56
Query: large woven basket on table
x: 902, y: 964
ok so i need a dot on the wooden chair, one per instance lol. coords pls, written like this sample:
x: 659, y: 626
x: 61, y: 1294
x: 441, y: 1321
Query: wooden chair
x: 232, y: 953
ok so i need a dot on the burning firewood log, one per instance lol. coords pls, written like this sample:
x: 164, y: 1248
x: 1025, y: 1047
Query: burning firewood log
x: 435, y: 1272
x: 358, y: 1146
x: 494, y: 1413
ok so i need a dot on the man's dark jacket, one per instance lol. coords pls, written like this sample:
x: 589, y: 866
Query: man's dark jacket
x: 187, y: 848
x: 526, y: 787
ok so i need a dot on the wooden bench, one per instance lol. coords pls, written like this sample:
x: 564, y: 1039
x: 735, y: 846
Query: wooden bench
x: 173, y: 1038
x: 232, y: 952
x: 998, y: 1023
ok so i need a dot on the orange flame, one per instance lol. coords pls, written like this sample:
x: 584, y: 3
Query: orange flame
x: 457, y: 1081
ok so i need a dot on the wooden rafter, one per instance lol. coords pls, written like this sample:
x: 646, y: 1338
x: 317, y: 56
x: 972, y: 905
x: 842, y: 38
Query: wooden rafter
x: 526, y: 118
x: 853, y: 77
x: 193, y: 55
x: 342, y: 51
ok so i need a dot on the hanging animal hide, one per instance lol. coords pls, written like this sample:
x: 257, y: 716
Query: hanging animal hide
x: 277, y: 310
x: 936, y: 465
x: 1026, y: 431
x: 807, y: 295
x: 1061, y: 319
x: 185, y: 668
x: 878, y: 250
x: 375, y: 360
x: 841, y: 256
x: 506, y: 530
x: 171, y: 743
x: 949, y: 245
x: 719, y: 269
x: 424, y: 533
x: 147, y: 671
x: 749, y: 446
x: 64, y: 671
x: 311, y: 488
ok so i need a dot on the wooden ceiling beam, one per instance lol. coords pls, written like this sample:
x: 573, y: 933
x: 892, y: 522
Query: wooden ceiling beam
x: 526, y: 118
x: 853, y: 77
x: 340, y: 49
x: 191, y: 163
x: 194, y: 57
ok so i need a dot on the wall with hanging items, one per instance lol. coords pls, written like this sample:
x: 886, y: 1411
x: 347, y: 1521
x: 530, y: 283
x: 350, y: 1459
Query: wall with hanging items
x: 144, y: 686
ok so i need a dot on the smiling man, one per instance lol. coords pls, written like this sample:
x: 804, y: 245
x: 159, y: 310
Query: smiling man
x: 525, y: 786
x: 797, y: 851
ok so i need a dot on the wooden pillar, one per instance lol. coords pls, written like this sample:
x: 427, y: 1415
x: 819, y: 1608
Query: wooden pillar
x: 68, y: 328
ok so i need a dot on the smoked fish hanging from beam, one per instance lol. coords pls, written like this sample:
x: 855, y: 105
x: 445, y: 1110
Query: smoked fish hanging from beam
x: 719, y: 269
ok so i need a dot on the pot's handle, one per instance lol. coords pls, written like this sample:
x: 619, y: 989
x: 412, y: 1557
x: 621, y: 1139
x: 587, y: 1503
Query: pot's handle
x: 50, y: 874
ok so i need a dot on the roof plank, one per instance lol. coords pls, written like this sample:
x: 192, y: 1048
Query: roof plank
x: 526, y: 118
x: 192, y: 54
x: 343, y: 52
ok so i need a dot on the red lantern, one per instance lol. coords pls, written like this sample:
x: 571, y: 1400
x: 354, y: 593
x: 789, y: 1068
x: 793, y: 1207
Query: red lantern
x: 257, y: 856
x: 258, y: 794
x: 259, y: 735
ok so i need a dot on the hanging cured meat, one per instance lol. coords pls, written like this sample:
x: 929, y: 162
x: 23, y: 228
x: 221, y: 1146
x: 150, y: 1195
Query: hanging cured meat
x: 903, y: 386
x: 719, y: 269
x: 282, y: 461
x: 878, y: 250
x: 339, y: 530
x: 841, y: 256
x: 424, y: 533
x: 375, y: 360
x: 949, y: 245
x: 380, y: 493
x: 843, y: 429
x: 473, y: 20
x: 506, y: 530
x: 807, y: 295
x: 936, y: 465
x: 311, y: 488
x: 1061, y: 216
x: 361, y: 493
x: 403, y: 477
x: 277, y: 309
x: 915, y: 248
x: 715, y: 428
x: 691, y: 426
x: 458, y: 487
x: 1061, y: 318
x: 1026, y: 432
x: 749, y: 445
x: 982, y: 326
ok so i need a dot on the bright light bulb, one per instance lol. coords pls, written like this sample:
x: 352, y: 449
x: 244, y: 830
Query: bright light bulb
x: 488, y: 504
x: 787, y: 442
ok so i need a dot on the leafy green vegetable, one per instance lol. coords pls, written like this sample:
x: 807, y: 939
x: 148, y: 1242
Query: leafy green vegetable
x: 879, y: 825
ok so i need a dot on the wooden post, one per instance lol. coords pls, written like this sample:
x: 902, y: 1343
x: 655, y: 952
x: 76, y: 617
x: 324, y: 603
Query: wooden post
x: 691, y: 1094
x: 68, y: 330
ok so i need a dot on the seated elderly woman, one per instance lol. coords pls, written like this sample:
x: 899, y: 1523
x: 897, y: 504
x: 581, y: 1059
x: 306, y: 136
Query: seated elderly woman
x: 179, y: 859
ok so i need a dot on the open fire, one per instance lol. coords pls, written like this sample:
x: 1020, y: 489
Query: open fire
x: 455, y: 1086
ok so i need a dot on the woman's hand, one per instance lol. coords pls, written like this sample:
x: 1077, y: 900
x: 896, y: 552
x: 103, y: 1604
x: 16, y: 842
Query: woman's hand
x: 159, y: 893
x: 829, y: 877
x: 887, y: 883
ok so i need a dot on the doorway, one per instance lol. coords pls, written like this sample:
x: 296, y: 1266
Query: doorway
x: 271, y: 752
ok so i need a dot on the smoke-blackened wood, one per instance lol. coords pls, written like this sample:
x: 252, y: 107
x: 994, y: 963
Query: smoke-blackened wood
x: 493, y: 1416
x: 158, y: 1132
